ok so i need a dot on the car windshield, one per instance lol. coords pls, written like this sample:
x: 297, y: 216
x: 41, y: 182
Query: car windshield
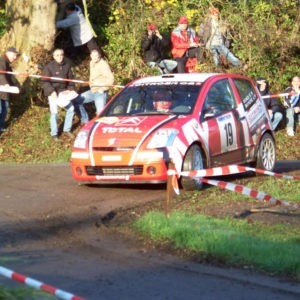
x: 154, y: 99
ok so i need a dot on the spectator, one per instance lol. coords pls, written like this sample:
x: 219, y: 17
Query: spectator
x: 59, y: 92
x: 184, y: 44
x: 61, y: 4
x: 214, y: 34
x: 273, y: 105
x: 10, y: 56
x: 154, y: 45
x: 101, y: 78
x: 292, y: 105
x: 81, y: 33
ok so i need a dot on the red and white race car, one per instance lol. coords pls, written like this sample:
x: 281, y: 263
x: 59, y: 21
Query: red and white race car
x: 194, y: 120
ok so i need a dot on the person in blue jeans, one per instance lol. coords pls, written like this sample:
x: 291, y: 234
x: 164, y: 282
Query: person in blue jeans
x: 275, y: 108
x: 292, y: 106
x: 59, y: 92
x: 101, y: 79
x: 10, y: 56
x: 214, y: 34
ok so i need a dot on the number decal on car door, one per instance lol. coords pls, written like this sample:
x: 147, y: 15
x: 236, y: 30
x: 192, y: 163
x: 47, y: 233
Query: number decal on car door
x: 228, y: 134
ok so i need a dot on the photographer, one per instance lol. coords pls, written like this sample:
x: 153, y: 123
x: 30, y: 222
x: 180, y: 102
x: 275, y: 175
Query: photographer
x: 154, y: 44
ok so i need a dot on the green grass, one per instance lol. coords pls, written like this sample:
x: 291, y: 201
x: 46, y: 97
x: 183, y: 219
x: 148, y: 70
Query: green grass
x: 29, y: 141
x: 22, y: 293
x: 274, y: 249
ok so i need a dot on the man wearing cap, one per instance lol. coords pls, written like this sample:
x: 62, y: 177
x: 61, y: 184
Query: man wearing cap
x: 184, y: 43
x: 214, y: 34
x: 10, y: 56
x: 154, y: 45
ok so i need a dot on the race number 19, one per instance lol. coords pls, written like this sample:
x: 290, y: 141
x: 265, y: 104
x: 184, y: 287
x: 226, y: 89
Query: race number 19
x: 229, y: 134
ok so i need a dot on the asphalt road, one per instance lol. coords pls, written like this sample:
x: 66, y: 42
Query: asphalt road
x: 50, y: 230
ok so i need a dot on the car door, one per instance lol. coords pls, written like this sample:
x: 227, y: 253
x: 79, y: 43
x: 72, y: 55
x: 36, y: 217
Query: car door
x: 225, y: 129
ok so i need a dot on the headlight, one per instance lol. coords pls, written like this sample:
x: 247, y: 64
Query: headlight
x: 81, y: 139
x: 162, y: 138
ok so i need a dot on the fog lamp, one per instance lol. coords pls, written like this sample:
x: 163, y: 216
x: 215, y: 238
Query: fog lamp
x: 78, y: 171
x: 151, y: 170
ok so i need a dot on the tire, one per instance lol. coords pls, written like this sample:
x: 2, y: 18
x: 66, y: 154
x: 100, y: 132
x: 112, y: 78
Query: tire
x: 266, y: 154
x: 193, y: 160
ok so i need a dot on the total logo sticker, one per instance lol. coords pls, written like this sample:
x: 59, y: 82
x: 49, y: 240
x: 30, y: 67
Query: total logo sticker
x: 121, y: 130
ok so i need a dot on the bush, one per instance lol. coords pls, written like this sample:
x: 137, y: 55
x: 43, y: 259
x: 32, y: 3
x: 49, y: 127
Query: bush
x: 265, y: 36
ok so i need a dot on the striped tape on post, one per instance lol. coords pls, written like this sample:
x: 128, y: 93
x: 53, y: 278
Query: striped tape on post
x: 280, y: 95
x: 247, y: 191
x: 230, y: 170
x: 233, y: 169
x: 38, y: 285
x: 60, y: 79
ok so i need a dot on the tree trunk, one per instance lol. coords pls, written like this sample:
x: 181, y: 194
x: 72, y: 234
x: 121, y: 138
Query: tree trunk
x: 31, y: 30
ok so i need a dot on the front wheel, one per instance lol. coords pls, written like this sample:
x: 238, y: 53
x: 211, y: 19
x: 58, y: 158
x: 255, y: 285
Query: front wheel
x: 266, y: 155
x: 193, y: 160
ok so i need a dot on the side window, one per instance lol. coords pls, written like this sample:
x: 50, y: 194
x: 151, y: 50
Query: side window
x: 246, y: 92
x: 219, y: 99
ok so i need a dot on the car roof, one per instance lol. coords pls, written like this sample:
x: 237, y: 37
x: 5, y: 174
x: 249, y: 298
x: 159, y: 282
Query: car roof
x: 182, y: 77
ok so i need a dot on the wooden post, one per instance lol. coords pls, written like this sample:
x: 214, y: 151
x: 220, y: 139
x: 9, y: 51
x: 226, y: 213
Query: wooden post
x: 170, y: 190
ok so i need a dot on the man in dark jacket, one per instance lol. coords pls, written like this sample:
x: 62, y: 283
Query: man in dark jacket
x: 59, y: 92
x: 273, y: 105
x: 10, y: 56
x: 154, y: 45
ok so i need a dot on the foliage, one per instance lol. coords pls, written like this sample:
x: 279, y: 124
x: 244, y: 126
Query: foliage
x: 265, y: 36
x: 3, y: 21
x: 228, y: 241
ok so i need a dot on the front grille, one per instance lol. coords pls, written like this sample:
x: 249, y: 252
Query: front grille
x: 114, y: 171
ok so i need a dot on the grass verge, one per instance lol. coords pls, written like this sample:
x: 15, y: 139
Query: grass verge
x: 274, y: 249
x: 23, y: 293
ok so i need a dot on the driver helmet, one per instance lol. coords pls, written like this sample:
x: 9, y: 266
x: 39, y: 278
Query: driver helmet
x: 162, y: 100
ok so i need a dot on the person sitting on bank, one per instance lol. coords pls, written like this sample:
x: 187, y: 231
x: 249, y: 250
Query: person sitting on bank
x: 275, y: 109
x: 154, y: 44
x: 184, y: 43
x: 101, y: 79
x: 214, y: 34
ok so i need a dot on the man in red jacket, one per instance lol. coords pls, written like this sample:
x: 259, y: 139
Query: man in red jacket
x: 184, y: 43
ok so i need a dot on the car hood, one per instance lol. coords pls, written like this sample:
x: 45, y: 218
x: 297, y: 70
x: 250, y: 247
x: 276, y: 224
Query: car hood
x: 126, y: 131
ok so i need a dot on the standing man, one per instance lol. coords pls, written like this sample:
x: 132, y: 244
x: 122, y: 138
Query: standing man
x: 59, y: 92
x: 101, y: 79
x: 10, y: 56
x: 184, y: 44
x: 214, y: 34
x: 81, y: 33
x: 154, y: 45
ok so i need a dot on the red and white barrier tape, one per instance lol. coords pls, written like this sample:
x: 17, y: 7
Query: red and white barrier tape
x: 38, y: 285
x: 280, y: 95
x: 230, y: 170
x: 247, y: 191
x: 59, y: 79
